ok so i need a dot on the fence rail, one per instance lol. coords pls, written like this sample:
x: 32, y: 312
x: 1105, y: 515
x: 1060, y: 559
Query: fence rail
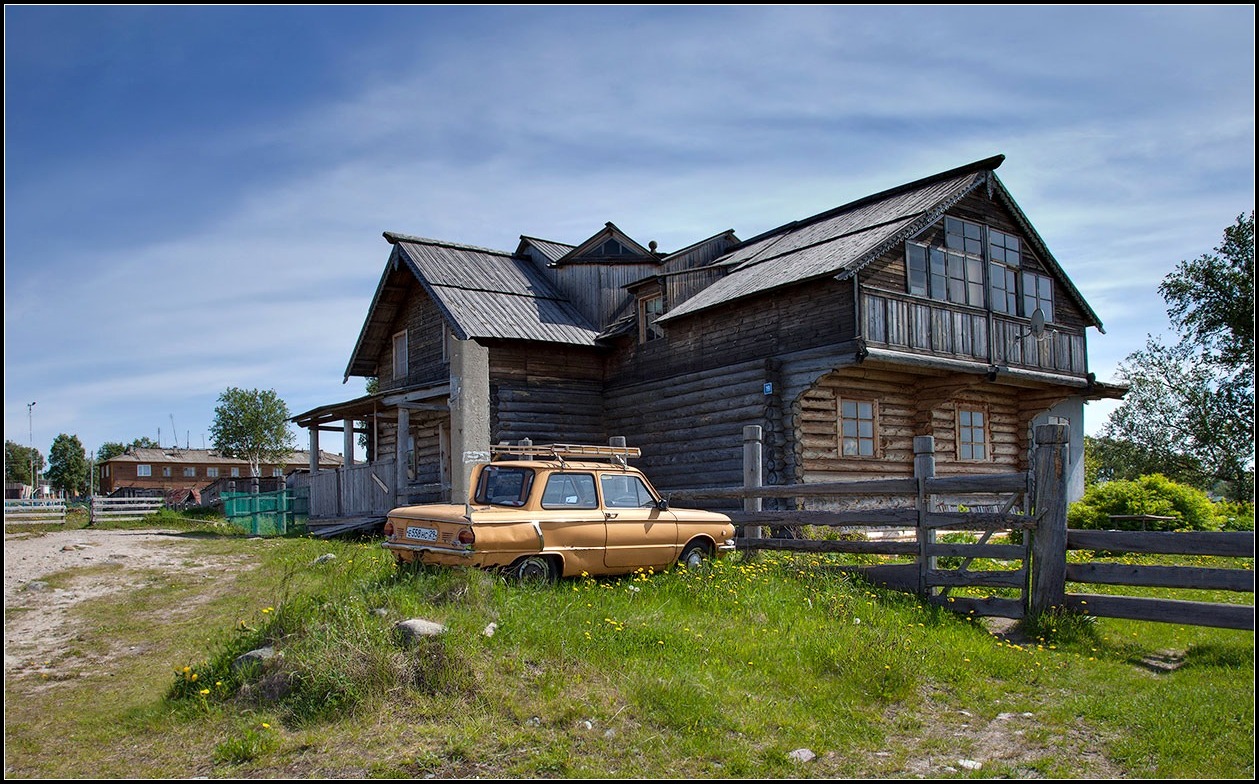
x: 34, y: 510
x: 1042, y: 572
x: 123, y: 509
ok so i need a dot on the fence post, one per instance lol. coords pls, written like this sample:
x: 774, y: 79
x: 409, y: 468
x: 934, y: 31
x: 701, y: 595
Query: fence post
x: 752, y: 473
x: 1049, y: 502
x: 924, y: 469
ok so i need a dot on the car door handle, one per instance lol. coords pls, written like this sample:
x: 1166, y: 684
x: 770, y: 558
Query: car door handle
x: 609, y: 515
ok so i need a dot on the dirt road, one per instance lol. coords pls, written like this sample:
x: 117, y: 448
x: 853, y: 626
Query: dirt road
x: 35, y: 613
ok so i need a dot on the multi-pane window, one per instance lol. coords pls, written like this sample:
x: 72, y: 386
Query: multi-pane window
x: 1005, y: 297
x: 235, y: 472
x: 972, y: 433
x: 955, y: 272
x: 400, y: 355
x: 143, y: 469
x: 212, y: 472
x: 165, y: 470
x: 1003, y: 248
x: 190, y: 471
x: 858, y: 428
x: 649, y: 309
x: 1038, y: 293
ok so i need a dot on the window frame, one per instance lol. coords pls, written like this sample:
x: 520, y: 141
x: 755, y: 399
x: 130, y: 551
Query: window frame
x: 401, y: 367
x: 971, y: 408
x: 876, y: 451
x: 144, y: 470
x: 1035, y: 299
x: 577, y: 505
x: 648, y: 332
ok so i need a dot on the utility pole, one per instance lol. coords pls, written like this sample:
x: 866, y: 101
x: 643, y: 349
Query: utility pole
x: 30, y: 424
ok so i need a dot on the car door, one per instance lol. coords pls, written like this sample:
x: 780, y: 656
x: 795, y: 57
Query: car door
x: 572, y: 522
x: 639, y: 533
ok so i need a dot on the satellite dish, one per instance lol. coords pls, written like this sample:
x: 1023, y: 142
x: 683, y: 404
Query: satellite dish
x: 1038, y: 323
x: 1037, y: 327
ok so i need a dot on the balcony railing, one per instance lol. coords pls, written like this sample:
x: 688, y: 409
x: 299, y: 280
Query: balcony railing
x: 940, y: 329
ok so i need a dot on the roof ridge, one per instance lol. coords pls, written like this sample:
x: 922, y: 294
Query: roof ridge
x: 986, y: 164
x: 394, y: 238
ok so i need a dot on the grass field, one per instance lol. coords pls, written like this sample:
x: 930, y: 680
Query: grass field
x: 770, y: 667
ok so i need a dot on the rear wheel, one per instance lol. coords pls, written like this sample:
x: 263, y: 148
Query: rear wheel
x: 694, y: 555
x: 534, y: 569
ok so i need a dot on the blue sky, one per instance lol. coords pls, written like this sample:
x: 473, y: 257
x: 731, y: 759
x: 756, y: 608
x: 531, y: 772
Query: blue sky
x: 195, y: 196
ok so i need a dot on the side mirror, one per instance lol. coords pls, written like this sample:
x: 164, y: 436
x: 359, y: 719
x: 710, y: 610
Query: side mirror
x: 663, y: 505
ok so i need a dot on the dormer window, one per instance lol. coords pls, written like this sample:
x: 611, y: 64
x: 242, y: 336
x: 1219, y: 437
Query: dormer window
x: 650, y: 308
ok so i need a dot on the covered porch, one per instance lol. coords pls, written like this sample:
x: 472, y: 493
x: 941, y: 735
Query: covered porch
x: 406, y: 438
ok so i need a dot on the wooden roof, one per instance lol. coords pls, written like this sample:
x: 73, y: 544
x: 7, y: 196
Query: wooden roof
x: 481, y: 293
x: 841, y: 241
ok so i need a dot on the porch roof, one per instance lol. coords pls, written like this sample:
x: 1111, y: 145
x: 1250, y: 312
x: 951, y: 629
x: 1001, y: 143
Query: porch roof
x: 376, y: 406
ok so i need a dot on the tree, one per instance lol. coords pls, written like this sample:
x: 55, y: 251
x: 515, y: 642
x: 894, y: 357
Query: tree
x: 67, y: 465
x: 1112, y: 460
x: 18, y: 462
x: 111, y: 449
x: 1190, y: 407
x: 252, y: 425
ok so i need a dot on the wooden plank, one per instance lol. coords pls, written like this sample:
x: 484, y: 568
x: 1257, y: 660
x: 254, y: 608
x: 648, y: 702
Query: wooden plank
x: 985, y: 607
x: 979, y: 521
x: 1163, y: 576
x: 1226, y: 616
x: 1236, y: 544
x: 999, y: 552
x: 829, y: 546
x: 897, y: 518
x: 988, y: 579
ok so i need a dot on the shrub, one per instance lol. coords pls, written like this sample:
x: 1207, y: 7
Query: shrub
x: 1236, y: 515
x: 1154, y: 495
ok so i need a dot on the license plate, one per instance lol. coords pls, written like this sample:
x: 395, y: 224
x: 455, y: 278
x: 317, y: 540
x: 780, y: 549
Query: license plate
x: 423, y: 534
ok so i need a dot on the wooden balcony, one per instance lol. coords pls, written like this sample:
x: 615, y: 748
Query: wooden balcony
x: 915, y: 325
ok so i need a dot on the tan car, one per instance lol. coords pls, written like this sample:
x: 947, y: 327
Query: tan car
x: 555, y: 511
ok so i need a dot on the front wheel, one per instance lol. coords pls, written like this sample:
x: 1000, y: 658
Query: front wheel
x: 694, y: 555
x: 534, y: 569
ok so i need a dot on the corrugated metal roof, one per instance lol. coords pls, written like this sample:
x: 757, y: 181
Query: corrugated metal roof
x: 552, y: 250
x: 829, y: 244
x: 492, y: 294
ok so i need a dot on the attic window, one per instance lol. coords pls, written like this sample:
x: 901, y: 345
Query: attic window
x: 613, y: 248
x: 650, y: 308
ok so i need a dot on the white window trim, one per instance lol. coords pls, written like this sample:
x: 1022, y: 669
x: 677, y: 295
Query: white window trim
x: 974, y: 408
x: 144, y: 469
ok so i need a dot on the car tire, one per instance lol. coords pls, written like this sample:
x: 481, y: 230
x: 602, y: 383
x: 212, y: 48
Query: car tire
x: 534, y: 569
x: 694, y: 555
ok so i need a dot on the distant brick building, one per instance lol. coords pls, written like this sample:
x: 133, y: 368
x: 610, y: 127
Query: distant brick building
x: 166, y: 470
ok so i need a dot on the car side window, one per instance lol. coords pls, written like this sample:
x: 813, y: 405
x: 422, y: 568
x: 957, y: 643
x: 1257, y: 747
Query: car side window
x: 570, y: 491
x: 625, y: 491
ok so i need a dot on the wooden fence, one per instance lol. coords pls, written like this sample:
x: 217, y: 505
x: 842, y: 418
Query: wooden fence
x: 1034, y: 572
x: 351, y: 491
x: 35, y: 510
x: 123, y: 509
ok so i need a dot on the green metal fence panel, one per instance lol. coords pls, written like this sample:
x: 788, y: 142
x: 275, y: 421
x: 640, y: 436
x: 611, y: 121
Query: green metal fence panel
x: 266, y: 514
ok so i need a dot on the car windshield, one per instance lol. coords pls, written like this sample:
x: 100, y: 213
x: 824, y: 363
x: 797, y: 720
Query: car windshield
x: 504, y: 486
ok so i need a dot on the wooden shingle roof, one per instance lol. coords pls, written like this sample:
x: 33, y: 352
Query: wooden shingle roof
x: 838, y: 241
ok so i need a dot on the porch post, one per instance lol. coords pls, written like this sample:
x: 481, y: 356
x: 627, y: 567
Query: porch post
x: 469, y: 413
x: 347, y: 428
x: 314, y: 449
x: 401, y: 457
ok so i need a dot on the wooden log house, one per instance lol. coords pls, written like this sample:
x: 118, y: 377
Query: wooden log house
x: 930, y: 309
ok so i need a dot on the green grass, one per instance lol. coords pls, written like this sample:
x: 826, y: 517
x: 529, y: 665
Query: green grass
x: 717, y: 673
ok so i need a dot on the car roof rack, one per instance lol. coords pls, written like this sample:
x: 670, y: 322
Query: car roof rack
x: 617, y: 454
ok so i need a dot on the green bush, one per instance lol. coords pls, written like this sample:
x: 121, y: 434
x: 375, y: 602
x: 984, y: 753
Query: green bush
x: 1236, y: 515
x: 1154, y: 495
